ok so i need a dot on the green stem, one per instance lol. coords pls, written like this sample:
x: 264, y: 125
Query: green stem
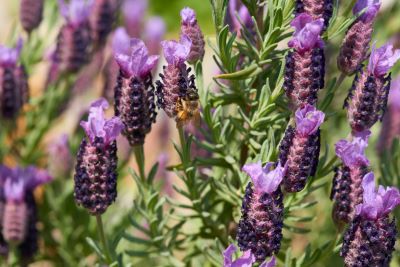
x: 103, y: 238
x: 139, y: 154
x: 349, y: 8
x: 340, y: 80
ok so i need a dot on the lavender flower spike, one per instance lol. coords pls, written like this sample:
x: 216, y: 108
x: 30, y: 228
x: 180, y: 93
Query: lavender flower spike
x: 371, y: 237
x: 347, y: 191
x: 134, y: 92
x: 355, y: 45
x: 96, y: 167
x: 382, y: 60
x: 19, y: 184
x: 101, y: 20
x: 191, y: 28
x: 367, y: 99
x: 300, y: 147
x: 74, y: 38
x: 31, y: 14
x: 177, y: 89
x: 260, y: 227
x: 318, y: 9
x: 13, y: 81
x: 305, y: 65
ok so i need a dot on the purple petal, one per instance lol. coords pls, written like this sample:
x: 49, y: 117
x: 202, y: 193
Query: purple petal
x: 353, y: 153
x: 246, y: 260
x: 14, y: 190
x: 112, y: 128
x: 9, y: 56
x: 188, y: 16
x: 76, y: 12
x: 98, y: 126
x: 271, y: 263
x: 372, y: 8
x: 176, y: 53
x: 228, y: 253
x: 121, y: 42
x: 141, y: 63
x: 264, y: 179
x: 307, y: 33
x: 391, y: 199
x: 382, y: 60
x: 236, y: 8
x: 308, y: 120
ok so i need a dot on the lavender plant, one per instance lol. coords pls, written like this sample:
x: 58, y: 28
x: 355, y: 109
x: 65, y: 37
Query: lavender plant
x: 254, y: 149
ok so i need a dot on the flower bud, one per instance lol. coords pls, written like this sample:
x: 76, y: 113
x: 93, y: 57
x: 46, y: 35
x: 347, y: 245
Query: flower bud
x: 154, y: 33
x: 60, y: 159
x: 14, y: 89
x: 355, y: 45
x: 31, y: 14
x: 134, y: 12
x: 134, y: 92
x: 305, y: 65
x: 260, y: 227
x: 191, y: 29
x: 367, y: 99
x: 96, y: 167
x: 74, y: 39
x: 300, y: 147
x: 176, y: 91
x: 370, y: 239
x: 317, y: 9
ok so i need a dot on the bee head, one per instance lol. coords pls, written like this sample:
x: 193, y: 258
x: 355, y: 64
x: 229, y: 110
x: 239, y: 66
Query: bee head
x: 191, y: 95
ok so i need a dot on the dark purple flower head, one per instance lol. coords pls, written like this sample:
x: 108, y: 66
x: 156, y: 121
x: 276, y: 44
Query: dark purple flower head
x: 265, y: 179
x: 246, y: 260
x: 134, y: 12
x: 307, y: 33
x: 377, y: 203
x: 18, y: 180
x: 10, y: 56
x: 188, y: 16
x: 176, y: 53
x: 382, y: 60
x: 134, y: 60
x: 308, y: 120
x: 154, y: 33
x: 371, y: 6
x: 76, y: 12
x: 352, y: 153
x: 98, y: 126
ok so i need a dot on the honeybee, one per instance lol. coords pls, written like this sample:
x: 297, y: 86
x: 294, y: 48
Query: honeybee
x: 187, y: 108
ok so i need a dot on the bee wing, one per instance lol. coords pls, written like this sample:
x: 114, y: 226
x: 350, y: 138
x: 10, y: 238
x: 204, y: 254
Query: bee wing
x: 196, y: 119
